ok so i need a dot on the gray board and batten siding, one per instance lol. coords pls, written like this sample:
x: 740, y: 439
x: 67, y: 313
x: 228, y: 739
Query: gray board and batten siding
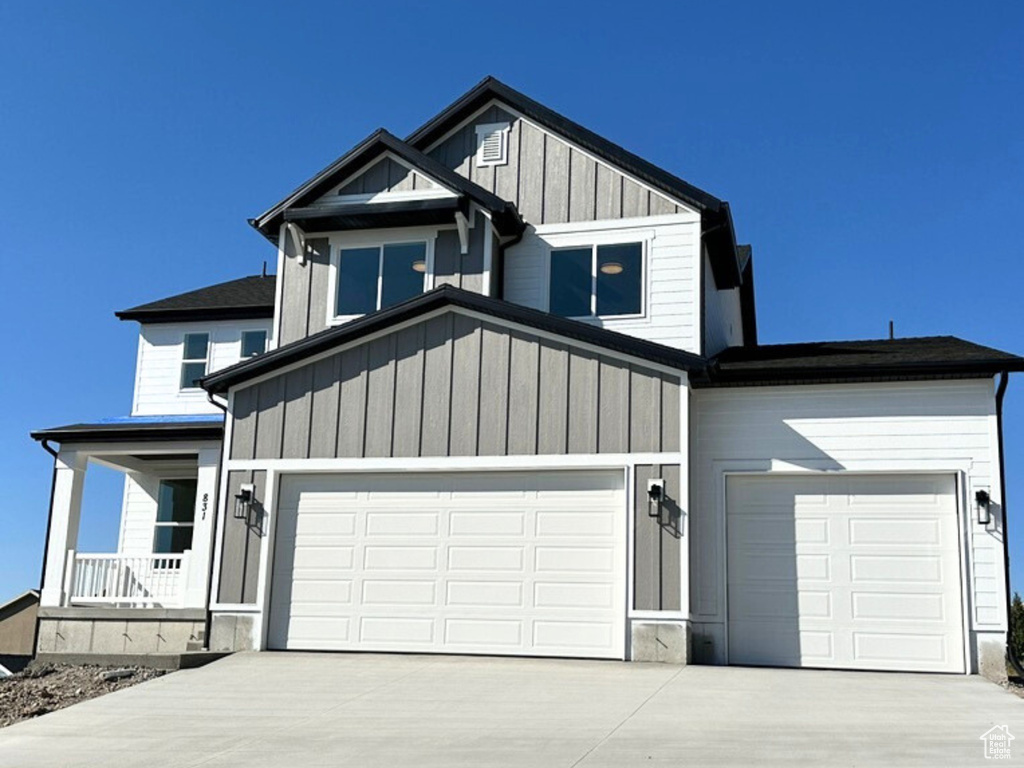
x: 386, y: 175
x: 550, y: 181
x: 305, y: 287
x: 454, y: 385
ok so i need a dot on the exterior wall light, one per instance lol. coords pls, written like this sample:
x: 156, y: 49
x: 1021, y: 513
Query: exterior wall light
x: 243, y: 501
x: 984, y: 503
x: 655, y: 495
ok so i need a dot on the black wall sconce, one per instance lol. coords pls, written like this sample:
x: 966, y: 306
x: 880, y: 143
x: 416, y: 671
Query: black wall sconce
x: 984, y: 502
x: 243, y: 501
x: 655, y: 496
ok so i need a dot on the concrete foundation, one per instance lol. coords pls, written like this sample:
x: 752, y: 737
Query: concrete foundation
x: 660, y: 641
x: 232, y: 632
x: 119, y: 631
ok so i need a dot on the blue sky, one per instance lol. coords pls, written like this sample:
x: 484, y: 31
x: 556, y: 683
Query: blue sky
x: 872, y: 154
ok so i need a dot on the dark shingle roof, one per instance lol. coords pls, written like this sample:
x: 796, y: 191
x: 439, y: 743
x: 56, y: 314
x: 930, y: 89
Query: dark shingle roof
x: 504, y: 213
x: 247, y: 297
x: 438, y: 298
x: 928, y: 356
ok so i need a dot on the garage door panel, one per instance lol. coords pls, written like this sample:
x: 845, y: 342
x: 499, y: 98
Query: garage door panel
x: 479, y: 522
x: 402, y: 523
x: 485, y: 594
x: 524, y: 563
x: 873, y: 562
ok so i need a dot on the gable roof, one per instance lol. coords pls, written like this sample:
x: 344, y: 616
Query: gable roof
x: 491, y: 88
x: 716, y: 218
x: 448, y: 296
x: 504, y: 214
x: 245, y: 298
x: 831, y: 361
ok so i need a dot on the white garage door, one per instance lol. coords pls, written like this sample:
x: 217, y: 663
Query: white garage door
x: 520, y: 563
x: 849, y: 572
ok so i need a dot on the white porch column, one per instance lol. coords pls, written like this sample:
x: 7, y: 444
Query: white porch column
x: 202, y: 533
x: 65, y: 514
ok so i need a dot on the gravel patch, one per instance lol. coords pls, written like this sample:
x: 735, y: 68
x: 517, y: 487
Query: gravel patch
x: 43, y: 688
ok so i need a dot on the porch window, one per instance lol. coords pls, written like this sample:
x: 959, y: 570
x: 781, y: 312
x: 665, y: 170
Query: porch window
x: 196, y: 350
x: 253, y: 343
x: 378, y: 276
x: 597, y: 280
x: 175, y: 516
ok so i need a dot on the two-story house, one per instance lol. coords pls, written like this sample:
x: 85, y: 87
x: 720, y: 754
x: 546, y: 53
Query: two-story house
x: 513, y: 402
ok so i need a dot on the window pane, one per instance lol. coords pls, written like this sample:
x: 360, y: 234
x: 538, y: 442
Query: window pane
x: 171, y: 539
x: 191, y: 373
x: 619, y: 279
x: 176, y: 502
x: 254, y: 343
x: 357, y: 281
x: 404, y: 266
x: 195, y: 346
x: 570, y: 282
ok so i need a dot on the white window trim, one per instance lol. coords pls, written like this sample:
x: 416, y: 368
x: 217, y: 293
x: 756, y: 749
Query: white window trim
x: 378, y: 239
x: 170, y: 523
x: 592, y: 241
x: 482, y: 131
x: 241, y: 342
x: 184, y: 360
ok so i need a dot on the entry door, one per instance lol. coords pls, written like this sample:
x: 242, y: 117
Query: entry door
x: 851, y: 572
x: 518, y: 563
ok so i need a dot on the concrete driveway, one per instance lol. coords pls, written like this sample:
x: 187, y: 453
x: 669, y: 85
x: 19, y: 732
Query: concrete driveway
x: 287, y: 710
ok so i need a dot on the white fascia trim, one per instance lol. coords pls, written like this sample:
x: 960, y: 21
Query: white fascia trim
x: 457, y: 463
x: 655, y: 616
x: 566, y: 140
x: 390, y: 156
x: 275, y: 327
x: 395, y: 197
x: 222, y: 500
x: 615, y: 227
x: 235, y: 608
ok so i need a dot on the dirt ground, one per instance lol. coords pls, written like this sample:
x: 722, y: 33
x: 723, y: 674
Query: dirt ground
x: 48, y: 687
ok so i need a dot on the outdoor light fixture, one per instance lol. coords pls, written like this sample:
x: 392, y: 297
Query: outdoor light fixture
x: 419, y: 266
x: 612, y: 268
x: 243, y: 501
x: 655, y: 495
x: 984, y: 502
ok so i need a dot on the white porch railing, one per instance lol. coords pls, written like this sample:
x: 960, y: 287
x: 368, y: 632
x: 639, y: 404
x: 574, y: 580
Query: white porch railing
x: 131, y: 580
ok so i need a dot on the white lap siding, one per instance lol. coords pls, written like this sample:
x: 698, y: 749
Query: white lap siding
x: 938, y: 426
x: 672, y: 315
x: 158, y: 370
x: 138, y: 514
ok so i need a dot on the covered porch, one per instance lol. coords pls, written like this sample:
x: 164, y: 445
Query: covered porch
x: 161, y: 565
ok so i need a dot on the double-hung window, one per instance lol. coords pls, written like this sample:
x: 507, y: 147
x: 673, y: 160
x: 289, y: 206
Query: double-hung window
x: 175, y: 516
x: 195, y: 352
x: 597, y: 280
x: 373, y: 277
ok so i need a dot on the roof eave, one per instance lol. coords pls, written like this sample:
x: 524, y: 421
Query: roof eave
x: 223, y: 380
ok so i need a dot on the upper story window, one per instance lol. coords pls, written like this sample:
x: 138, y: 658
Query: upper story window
x: 597, y: 280
x: 492, y: 144
x: 253, y: 343
x: 195, y: 353
x: 175, y: 516
x: 377, y: 276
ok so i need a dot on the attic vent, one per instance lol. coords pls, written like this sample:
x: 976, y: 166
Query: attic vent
x: 492, y: 144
